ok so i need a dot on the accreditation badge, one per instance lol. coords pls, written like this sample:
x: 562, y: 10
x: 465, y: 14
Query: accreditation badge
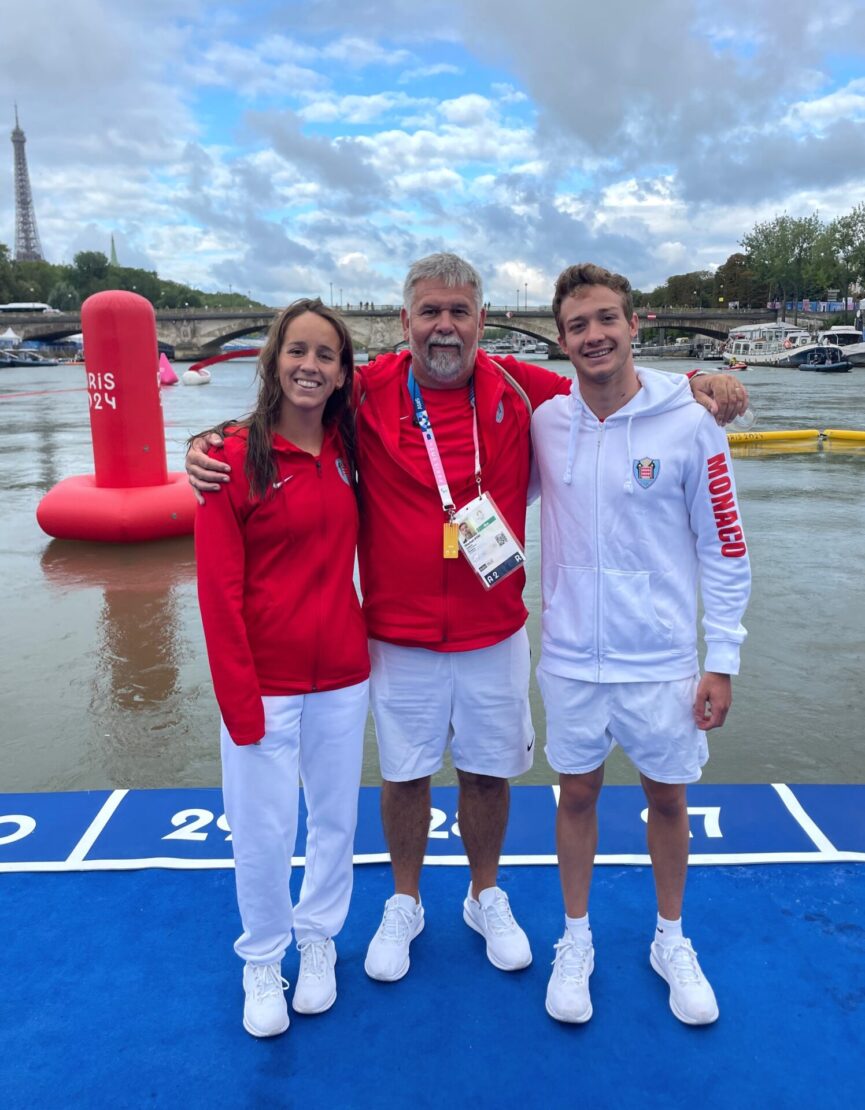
x: 487, y: 541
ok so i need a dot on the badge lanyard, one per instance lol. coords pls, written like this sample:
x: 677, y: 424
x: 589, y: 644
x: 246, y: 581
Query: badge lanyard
x: 451, y: 532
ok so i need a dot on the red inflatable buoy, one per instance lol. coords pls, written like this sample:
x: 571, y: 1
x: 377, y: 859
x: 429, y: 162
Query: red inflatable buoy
x: 132, y: 496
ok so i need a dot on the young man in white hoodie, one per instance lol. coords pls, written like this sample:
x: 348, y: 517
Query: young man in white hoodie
x: 638, y: 506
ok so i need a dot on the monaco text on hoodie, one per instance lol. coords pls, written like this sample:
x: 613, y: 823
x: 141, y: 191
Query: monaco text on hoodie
x: 636, y: 511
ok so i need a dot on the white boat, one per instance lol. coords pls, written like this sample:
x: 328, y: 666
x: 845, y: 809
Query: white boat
x: 773, y: 344
x: 848, y: 339
x: 195, y: 377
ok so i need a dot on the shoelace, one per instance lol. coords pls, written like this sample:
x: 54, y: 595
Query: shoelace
x: 572, y: 960
x: 498, y: 915
x: 267, y: 981
x: 395, y: 923
x: 312, y: 961
x: 683, y: 960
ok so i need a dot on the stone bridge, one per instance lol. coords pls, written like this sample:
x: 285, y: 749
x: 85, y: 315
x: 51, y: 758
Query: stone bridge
x: 197, y: 333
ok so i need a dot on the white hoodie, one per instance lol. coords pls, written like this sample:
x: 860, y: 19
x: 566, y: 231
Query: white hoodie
x: 631, y: 510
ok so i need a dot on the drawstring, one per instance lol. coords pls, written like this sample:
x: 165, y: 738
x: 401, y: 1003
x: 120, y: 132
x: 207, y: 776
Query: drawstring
x: 629, y: 485
x: 572, y: 447
x: 572, y: 440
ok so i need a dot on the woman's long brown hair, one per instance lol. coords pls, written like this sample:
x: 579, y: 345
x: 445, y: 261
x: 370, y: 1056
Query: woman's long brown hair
x: 260, y: 464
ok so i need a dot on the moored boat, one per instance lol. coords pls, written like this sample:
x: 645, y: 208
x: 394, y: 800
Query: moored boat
x: 826, y: 360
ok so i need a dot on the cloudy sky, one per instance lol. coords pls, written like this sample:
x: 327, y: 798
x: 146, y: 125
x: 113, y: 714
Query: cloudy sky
x: 282, y: 149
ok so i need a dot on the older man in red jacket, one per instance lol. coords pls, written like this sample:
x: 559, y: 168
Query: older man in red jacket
x: 443, y: 439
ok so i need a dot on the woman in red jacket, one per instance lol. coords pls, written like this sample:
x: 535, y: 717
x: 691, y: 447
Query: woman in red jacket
x: 288, y: 655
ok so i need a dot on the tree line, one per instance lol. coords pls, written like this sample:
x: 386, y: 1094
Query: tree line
x: 784, y: 259
x: 66, y: 287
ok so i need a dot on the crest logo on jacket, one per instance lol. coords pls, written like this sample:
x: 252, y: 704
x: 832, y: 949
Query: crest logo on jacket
x: 646, y: 471
x: 500, y: 413
x: 343, y: 473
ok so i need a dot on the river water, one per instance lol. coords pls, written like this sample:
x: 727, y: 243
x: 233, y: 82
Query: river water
x: 103, y: 672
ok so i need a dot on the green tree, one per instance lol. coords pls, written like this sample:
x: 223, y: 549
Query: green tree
x: 846, y: 236
x: 89, y: 273
x: 32, y: 281
x: 6, y: 280
x: 780, y: 252
x: 64, y: 295
x: 734, y: 282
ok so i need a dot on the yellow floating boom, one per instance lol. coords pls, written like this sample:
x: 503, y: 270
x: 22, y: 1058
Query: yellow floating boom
x: 855, y: 435
x: 790, y: 436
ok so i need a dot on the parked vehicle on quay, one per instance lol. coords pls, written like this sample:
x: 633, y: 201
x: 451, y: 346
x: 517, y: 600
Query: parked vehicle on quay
x: 21, y: 308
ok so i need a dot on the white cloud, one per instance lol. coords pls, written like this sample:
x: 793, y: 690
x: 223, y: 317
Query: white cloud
x: 439, y: 69
x: 466, y: 111
x: 842, y: 104
x: 360, y: 109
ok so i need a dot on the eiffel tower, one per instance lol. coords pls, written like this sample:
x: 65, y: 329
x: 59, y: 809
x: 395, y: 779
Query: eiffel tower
x: 27, y: 245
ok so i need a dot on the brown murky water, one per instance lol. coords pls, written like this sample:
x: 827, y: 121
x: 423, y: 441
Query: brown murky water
x: 103, y: 673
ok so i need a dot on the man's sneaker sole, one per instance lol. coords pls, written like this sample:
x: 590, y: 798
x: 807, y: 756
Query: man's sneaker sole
x: 472, y: 924
x: 679, y: 1014
x: 257, y: 1033
x: 314, y: 1010
x: 570, y: 1020
x: 403, y: 971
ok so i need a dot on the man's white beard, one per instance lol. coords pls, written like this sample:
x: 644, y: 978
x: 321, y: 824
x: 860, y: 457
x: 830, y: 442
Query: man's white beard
x: 442, y: 361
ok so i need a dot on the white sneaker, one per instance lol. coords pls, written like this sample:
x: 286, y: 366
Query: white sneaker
x: 568, y: 989
x: 265, y: 1013
x: 316, y: 982
x: 387, y: 957
x: 507, y: 945
x: 692, y: 999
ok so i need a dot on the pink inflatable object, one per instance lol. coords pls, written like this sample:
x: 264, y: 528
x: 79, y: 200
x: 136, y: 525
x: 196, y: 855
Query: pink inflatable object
x: 132, y: 496
x: 166, y: 371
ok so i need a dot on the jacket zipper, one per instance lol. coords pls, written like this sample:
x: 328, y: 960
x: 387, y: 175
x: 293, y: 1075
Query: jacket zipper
x: 599, y: 595
x: 323, y: 547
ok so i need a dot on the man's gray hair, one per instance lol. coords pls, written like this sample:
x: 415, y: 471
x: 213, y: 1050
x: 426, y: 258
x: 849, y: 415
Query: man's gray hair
x: 449, y: 269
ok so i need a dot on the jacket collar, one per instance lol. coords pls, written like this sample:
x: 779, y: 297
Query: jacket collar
x: 385, y: 384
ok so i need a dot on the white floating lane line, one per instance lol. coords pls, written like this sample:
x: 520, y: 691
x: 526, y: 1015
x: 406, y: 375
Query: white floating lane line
x: 96, y: 826
x: 808, y: 825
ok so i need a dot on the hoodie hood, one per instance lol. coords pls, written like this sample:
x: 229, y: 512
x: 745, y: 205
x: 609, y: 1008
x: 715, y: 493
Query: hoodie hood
x: 658, y: 393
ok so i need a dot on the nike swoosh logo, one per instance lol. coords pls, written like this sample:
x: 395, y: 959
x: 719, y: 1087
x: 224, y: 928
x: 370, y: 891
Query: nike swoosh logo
x: 529, y: 748
x: 279, y: 485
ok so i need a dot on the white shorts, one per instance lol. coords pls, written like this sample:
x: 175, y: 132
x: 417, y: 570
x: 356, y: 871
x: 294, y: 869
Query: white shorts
x: 475, y: 701
x: 653, y: 723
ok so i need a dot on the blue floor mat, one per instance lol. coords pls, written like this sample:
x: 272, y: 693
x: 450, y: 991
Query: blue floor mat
x: 121, y: 989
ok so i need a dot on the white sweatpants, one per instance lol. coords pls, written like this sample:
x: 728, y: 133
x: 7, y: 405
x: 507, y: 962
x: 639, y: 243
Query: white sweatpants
x: 319, y: 739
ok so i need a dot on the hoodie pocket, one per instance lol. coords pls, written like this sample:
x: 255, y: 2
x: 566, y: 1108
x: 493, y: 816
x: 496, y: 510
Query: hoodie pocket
x: 630, y: 621
x: 569, y: 618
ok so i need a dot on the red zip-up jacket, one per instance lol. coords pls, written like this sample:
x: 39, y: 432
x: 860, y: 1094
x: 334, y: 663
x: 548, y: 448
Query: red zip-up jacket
x: 275, y: 582
x: 411, y: 594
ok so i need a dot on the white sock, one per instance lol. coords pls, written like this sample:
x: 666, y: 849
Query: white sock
x: 579, y: 928
x: 668, y: 932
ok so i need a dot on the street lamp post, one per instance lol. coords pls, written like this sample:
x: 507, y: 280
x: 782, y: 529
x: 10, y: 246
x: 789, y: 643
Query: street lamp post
x: 518, y: 298
x: 526, y: 295
x: 331, y: 294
